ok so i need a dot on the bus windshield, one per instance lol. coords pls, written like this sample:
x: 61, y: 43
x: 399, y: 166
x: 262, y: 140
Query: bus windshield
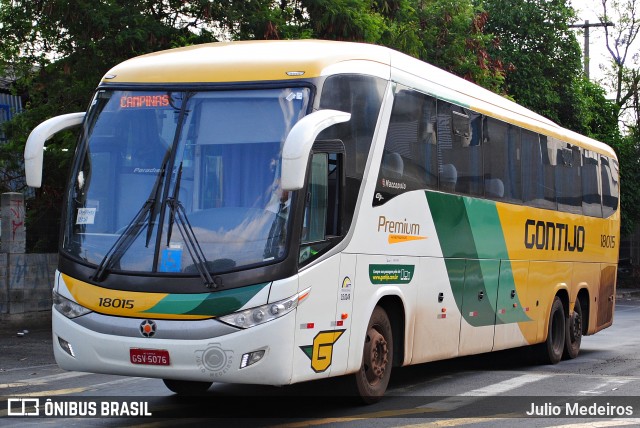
x: 172, y: 181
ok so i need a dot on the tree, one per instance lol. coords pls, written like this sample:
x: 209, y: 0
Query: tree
x: 624, y: 73
x: 59, y: 50
x: 623, y: 81
x: 541, y: 54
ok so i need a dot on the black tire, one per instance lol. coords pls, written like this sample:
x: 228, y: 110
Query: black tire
x: 187, y: 387
x: 573, y: 335
x: 377, y: 359
x: 552, y: 349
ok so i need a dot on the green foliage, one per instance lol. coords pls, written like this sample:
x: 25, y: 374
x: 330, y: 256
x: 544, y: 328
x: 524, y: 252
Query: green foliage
x: 61, y: 48
x: 352, y: 20
x: 541, y: 53
x: 628, y: 150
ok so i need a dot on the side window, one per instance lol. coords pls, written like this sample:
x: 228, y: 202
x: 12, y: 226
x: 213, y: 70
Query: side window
x: 502, y: 170
x: 591, y: 198
x: 409, y: 159
x: 459, y: 132
x: 538, y: 160
x: 322, y: 216
x: 568, y: 182
x: 550, y: 148
x: 362, y: 97
x: 609, y: 175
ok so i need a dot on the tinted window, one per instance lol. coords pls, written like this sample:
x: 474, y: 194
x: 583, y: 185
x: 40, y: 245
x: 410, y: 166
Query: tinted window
x: 591, y: 200
x: 568, y: 182
x: 609, y: 173
x: 459, y: 133
x: 502, y: 171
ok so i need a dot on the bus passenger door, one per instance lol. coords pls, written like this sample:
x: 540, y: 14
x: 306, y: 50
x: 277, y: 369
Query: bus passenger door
x: 478, y: 306
x: 322, y: 326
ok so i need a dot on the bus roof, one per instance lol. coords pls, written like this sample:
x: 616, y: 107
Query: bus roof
x: 270, y: 60
x: 243, y: 61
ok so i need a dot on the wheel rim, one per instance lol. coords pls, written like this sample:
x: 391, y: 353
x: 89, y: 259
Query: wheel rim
x: 376, y: 356
x: 575, y: 330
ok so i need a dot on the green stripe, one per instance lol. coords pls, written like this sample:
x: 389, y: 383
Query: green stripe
x: 209, y: 304
x: 473, y: 245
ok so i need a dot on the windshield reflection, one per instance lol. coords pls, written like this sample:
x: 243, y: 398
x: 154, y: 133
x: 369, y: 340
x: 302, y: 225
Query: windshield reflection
x: 220, y: 190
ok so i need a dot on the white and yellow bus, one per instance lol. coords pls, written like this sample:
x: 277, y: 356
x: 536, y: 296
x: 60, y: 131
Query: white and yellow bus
x: 272, y: 212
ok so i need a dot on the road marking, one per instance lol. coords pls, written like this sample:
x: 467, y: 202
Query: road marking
x: 55, y: 392
x: 42, y: 380
x: 447, y: 404
x: 457, y: 401
x: 605, y: 387
x: 507, y: 385
x: 601, y: 424
x: 457, y: 422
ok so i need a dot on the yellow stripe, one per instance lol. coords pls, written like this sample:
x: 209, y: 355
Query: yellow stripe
x: 513, y: 220
x: 242, y: 61
x: 395, y: 239
x: 90, y: 297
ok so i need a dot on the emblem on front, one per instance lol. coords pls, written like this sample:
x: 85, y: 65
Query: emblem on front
x: 148, y: 328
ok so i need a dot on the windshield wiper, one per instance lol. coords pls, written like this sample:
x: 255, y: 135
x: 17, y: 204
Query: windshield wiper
x: 134, y: 228
x: 178, y: 216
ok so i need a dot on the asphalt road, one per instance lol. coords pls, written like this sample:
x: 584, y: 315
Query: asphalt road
x: 478, y: 391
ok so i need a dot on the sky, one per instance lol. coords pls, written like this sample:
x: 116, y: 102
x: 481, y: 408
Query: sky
x: 588, y: 10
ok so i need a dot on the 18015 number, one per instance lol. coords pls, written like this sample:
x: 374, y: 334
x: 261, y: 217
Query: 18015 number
x: 608, y: 241
x: 107, y: 302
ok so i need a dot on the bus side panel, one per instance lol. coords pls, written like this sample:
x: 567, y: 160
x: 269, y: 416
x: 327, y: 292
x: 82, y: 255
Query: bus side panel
x: 479, y: 306
x: 437, y: 325
x: 545, y: 280
x: 344, y: 313
x: 382, y: 277
x: 586, y: 276
x: 515, y: 307
x: 606, y: 296
x: 316, y: 332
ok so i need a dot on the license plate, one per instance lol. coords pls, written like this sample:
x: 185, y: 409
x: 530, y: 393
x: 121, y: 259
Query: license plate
x: 152, y: 357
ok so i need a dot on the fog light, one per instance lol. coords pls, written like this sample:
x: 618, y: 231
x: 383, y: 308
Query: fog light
x: 66, y: 346
x: 251, y: 358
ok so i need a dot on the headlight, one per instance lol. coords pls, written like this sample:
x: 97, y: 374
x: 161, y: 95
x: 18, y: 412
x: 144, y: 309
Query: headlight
x: 67, y: 307
x: 261, y: 314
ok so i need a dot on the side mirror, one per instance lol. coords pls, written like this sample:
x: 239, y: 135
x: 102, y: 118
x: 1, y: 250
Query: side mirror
x: 33, y: 150
x: 297, y: 146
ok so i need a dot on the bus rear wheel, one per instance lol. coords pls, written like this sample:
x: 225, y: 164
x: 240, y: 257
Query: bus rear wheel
x: 573, y: 335
x: 187, y: 387
x: 377, y: 358
x: 552, y: 349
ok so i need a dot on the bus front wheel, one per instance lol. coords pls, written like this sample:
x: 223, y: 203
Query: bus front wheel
x: 552, y: 349
x: 377, y: 358
x: 573, y: 335
x: 187, y: 387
